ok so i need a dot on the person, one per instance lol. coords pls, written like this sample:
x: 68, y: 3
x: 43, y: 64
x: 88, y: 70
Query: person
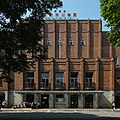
x: 113, y: 106
x: 3, y: 104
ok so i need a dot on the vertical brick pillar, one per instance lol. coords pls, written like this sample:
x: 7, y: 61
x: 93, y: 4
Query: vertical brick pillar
x: 67, y: 74
x: 88, y: 41
x: 54, y: 38
x: 111, y: 51
x: 36, y: 79
x: 100, y: 39
x: 52, y: 78
x: 82, y: 80
x: 97, y: 78
x: 77, y: 38
x: 112, y: 75
x: 67, y: 45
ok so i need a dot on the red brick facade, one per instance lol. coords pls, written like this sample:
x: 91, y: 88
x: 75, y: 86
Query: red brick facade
x: 78, y: 47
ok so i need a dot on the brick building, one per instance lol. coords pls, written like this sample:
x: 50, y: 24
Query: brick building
x: 82, y: 69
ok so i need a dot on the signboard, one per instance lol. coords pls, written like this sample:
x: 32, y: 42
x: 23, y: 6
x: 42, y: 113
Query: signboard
x: 61, y: 15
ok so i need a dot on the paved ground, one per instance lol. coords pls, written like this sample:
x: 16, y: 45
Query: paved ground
x: 60, y: 114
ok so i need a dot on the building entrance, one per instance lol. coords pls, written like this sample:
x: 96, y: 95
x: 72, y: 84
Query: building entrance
x: 2, y: 98
x: 29, y: 100
x: 74, y: 101
x: 88, y: 101
x: 117, y: 101
x: 44, y: 101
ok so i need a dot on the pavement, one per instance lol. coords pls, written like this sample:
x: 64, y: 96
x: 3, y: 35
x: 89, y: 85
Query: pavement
x: 59, y: 114
x: 56, y: 110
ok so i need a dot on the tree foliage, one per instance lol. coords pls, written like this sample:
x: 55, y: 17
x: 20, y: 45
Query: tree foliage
x: 20, y: 32
x: 110, y: 11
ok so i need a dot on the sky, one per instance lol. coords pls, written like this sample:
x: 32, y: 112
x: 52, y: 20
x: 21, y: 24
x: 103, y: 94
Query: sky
x: 85, y: 9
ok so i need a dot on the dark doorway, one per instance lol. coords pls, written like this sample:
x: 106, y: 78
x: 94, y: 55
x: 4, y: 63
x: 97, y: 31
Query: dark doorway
x: 74, y: 101
x: 117, y: 101
x: 29, y: 100
x: 2, y: 98
x: 88, y: 101
x: 44, y: 101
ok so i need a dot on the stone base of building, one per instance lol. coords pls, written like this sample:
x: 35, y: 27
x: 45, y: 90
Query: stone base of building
x: 61, y: 99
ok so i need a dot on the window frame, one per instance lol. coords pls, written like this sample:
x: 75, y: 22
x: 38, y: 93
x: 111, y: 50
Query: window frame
x: 82, y: 42
x: 48, y: 42
x: 60, y: 42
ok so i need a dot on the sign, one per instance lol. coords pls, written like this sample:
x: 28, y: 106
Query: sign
x: 61, y: 15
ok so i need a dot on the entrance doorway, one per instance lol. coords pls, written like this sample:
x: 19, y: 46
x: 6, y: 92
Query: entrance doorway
x: 29, y: 100
x: 2, y: 98
x: 74, y: 101
x: 117, y: 101
x: 88, y: 101
x: 44, y: 101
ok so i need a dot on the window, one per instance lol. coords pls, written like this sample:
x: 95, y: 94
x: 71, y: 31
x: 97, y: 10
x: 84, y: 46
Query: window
x: 88, y: 78
x: 73, y: 78
x: 30, y: 77
x: 116, y: 60
x: 48, y: 42
x: 82, y: 42
x: 71, y: 41
x: 45, y: 77
x: 60, y: 42
x: 59, y: 78
x: 60, y: 98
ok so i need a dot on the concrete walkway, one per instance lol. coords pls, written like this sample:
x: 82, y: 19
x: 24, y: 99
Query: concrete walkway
x: 54, y: 110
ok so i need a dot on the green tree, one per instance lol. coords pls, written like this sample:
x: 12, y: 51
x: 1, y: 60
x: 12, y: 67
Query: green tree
x: 20, y: 32
x: 110, y: 11
x: 21, y: 23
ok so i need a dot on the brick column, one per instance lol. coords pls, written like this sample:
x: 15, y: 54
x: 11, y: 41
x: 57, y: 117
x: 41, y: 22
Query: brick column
x: 100, y: 39
x: 111, y: 51
x: 88, y: 41
x: 77, y: 38
x: 112, y: 75
x: 52, y: 78
x: 36, y: 79
x: 67, y: 74
x: 82, y: 74
x: 97, y: 74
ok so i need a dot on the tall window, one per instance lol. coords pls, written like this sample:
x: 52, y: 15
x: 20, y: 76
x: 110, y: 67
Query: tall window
x: 45, y: 77
x: 48, y: 42
x: 88, y: 78
x: 60, y: 42
x: 116, y: 60
x: 82, y: 42
x: 74, y: 78
x: 30, y: 77
x: 59, y: 78
x: 71, y: 41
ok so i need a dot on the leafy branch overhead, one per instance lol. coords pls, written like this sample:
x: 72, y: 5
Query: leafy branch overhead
x: 21, y: 23
x: 110, y: 11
